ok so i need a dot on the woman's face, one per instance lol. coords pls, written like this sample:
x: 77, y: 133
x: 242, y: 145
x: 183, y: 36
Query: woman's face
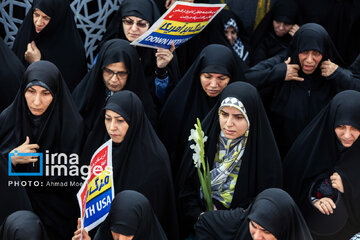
x: 118, y: 236
x: 281, y: 28
x: 116, y: 126
x: 347, y: 134
x: 38, y: 99
x: 214, y: 83
x: 309, y: 61
x: 115, y: 76
x: 231, y: 34
x: 41, y: 20
x: 134, y: 27
x: 232, y: 122
x: 259, y: 233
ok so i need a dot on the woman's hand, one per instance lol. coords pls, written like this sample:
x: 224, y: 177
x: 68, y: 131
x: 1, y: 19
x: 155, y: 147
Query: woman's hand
x: 26, y: 147
x: 164, y: 56
x: 325, y: 205
x: 292, y: 71
x: 77, y: 233
x: 293, y: 29
x: 327, y: 68
x: 169, y: 3
x: 32, y: 53
x: 336, y: 182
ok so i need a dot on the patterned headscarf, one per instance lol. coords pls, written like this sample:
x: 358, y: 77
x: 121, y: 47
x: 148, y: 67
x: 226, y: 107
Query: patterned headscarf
x: 238, y: 46
x: 228, y: 158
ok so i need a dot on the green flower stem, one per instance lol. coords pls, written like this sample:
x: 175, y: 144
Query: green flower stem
x: 204, y: 176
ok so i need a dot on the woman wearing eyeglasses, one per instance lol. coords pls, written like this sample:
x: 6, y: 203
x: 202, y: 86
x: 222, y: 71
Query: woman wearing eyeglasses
x: 133, y: 19
x: 117, y: 68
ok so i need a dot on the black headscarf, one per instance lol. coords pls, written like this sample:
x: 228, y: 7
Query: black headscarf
x: 58, y: 130
x: 189, y: 101
x: 147, y: 10
x: 59, y: 42
x: 264, y: 42
x: 11, y: 71
x: 273, y: 209
x: 315, y: 152
x: 91, y: 93
x: 140, y: 161
x: 261, y: 164
x: 291, y: 105
x: 341, y: 19
x: 131, y: 214
x: 23, y: 225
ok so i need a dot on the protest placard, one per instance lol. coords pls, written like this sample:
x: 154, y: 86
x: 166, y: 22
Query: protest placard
x: 178, y: 24
x: 97, y: 192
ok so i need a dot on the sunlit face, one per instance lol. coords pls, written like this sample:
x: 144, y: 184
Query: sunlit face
x: 281, y: 28
x: 347, y: 134
x: 232, y: 122
x: 309, y: 61
x: 259, y: 233
x: 231, y: 34
x: 116, y: 126
x: 118, y: 236
x: 214, y: 83
x: 115, y: 76
x: 38, y: 99
x: 134, y: 27
x: 41, y: 20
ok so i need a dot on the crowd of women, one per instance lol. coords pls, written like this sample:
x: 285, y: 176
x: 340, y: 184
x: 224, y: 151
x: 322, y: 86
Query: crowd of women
x: 279, y: 106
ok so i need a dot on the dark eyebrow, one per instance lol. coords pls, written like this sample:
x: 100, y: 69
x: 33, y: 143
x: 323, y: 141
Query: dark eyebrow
x: 259, y: 227
x: 112, y: 116
x: 223, y: 111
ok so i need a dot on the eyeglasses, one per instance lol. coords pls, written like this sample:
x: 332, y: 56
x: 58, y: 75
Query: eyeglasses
x: 109, y: 73
x: 130, y: 22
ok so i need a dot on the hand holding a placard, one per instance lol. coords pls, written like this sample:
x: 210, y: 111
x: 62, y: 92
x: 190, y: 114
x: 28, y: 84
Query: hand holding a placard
x: 164, y: 56
x: 77, y: 233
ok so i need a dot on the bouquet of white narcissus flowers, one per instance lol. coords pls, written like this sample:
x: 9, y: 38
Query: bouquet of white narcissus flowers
x: 199, y: 160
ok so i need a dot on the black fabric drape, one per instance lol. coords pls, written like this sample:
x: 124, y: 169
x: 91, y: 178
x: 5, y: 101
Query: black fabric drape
x: 23, y: 225
x: 355, y: 66
x: 264, y: 42
x: 131, y: 214
x: 91, y: 93
x: 16, y: 197
x: 291, y: 105
x: 273, y: 209
x: 140, y: 162
x: 213, y: 34
x: 189, y: 101
x: 261, y: 164
x: 11, y: 71
x: 60, y: 131
x: 146, y: 10
x: 315, y: 152
x: 340, y: 18
x: 59, y: 42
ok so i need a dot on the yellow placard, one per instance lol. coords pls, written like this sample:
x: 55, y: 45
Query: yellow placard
x: 98, y: 185
x: 180, y: 28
